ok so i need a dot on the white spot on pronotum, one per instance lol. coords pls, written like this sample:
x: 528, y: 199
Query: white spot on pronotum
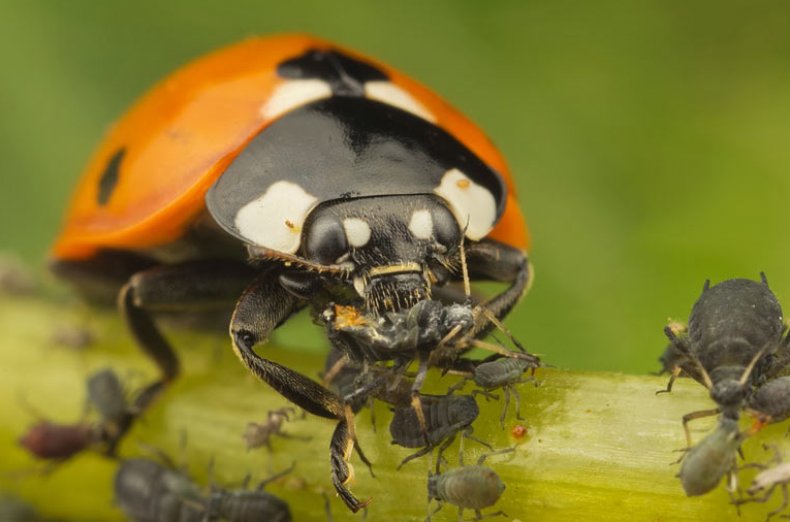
x: 274, y: 220
x: 472, y: 205
x: 421, y: 224
x: 391, y: 94
x: 293, y: 94
x: 357, y: 231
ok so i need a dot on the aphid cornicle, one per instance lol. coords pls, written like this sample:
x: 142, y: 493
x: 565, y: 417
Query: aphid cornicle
x: 340, y: 178
x: 734, y: 331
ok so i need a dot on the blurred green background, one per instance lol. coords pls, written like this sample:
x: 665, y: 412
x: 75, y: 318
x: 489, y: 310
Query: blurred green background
x: 650, y: 139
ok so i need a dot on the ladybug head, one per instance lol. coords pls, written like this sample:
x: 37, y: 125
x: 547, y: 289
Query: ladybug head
x: 393, y: 248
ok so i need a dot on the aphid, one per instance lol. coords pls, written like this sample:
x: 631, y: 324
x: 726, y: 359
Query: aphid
x: 445, y: 415
x: 258, y: 435
x: 502, y: 373
x: 72, y: 337
x: 247, y: 506
x: 767, y: 481
x: 58, y: 442
x: 734, y: 329
x: 107, y: 396
x: 147, y: 491
x: 714, y: 456
x: 468, y: 487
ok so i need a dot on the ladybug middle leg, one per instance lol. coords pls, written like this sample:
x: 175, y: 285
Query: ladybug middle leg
x: 262, y: 308
x: 491, y: 260
x: 186, y: 288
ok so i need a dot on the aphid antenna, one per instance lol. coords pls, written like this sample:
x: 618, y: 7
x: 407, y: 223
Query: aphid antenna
x: 505, y: 352
x: 748, y: 371
x: 502, y: 328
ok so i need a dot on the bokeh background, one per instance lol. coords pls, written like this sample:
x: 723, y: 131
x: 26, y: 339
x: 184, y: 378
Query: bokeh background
x: 650, y: 139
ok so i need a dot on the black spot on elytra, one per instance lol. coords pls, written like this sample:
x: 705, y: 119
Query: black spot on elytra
x: 109, y: 178
x: 346, y: 76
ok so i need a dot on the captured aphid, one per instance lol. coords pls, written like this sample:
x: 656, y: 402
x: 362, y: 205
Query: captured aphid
x: 734, y: 330
x: 258, y: 435
x: 767, y: 481
x: 445, y: 416
x: 705, y: 464
x: 468, y: 487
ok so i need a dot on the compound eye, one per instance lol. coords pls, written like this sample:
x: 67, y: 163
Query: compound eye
x: 326, y: 240
x: 445, y: 227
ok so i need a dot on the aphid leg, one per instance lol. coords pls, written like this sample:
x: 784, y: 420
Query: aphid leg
x: 262, y: 484
x: 485, y: 393
x: 696, y: 415
x: 327, y: 507
x: 674, y: 375
x: 439, y: 505
x: 483, y: 457
x: 765, y: 498
x: 418, y: 454
x: 480, y: 516
x: 340, y: 450
x: 416, y: 401
x: 458, y: 386
x: 467, y: 433
x: 517, y: 396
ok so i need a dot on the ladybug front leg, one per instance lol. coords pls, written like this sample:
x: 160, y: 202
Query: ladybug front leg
x: 264, y: 306
x: 188, y: 287
x: 496, y: 261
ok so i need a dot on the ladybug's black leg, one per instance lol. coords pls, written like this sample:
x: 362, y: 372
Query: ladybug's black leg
x: 262, y: 307
x: 186, y: 288
x: 340, y: 450
x: 492, y: 260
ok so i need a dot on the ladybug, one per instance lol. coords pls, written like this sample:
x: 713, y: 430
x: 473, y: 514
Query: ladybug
x: 281, y: 173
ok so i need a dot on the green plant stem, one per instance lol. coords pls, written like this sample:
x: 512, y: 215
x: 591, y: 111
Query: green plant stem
x: 599, y: 446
